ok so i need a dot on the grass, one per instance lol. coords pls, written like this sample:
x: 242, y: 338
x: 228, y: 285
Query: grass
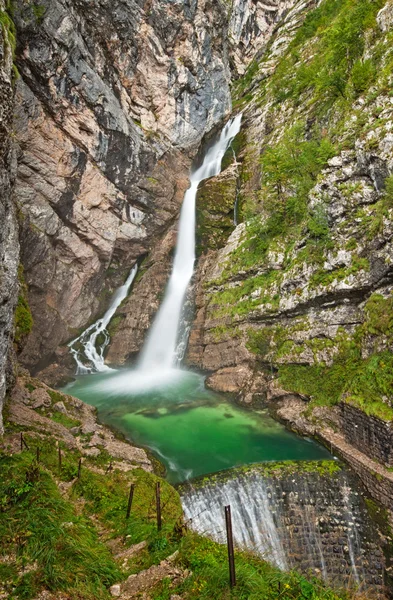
x: 58, y: 541
x: 65, y: 420
x: 256, y: 579
x: 41, y: 529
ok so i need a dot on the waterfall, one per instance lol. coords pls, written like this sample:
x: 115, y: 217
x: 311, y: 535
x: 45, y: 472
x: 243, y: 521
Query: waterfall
x: 295, y: 519
x: 252, y: 517
x: 161, y: 345
x: 86, y: 344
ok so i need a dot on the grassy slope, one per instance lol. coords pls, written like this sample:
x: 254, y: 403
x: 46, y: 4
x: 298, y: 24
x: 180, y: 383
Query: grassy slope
x: 56, y: 532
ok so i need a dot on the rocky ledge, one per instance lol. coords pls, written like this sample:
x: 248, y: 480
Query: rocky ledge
x: 44, y: 413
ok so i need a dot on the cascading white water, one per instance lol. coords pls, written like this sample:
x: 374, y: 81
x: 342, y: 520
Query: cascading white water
x: 252, y: 517
x: 86, y: 344
x: 296, y: 521
x: 160, y: 348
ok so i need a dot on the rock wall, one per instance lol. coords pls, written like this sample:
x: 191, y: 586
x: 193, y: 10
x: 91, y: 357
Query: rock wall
x: 112, y: 101
x: 301, y: 289
x: 307, y: 516
x: 9, y: 246
x: 368, y: 434
x: 251, y: 25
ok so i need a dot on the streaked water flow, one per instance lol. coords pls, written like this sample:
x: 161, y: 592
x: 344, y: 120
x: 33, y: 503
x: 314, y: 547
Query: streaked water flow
x: 87, y: 352
x: 160, y: 349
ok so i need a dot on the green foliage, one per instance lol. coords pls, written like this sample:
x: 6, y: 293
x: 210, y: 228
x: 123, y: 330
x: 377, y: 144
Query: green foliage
x: 291, y: 167
x: 289, y: 170
x: 65, y: 420
x: 256, y: 579
x: 57, y: 537
x: 324, y: 278
x: 364, y: 383
x: 334, y: 34
x: 23, y: 319
x: 8, y: 29
x: 40, y: 527
x: 379, y: 316
x: 388, y: 196
x: 318, y: 224
x: 107, y: 498
x: 362, y: 75
x: 39, y: 12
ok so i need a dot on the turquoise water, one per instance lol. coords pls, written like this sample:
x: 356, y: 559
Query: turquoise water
x: 192, y: 430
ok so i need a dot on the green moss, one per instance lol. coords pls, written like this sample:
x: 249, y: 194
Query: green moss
x: 57, y: 396
x: 23, y: 319
x: 239, y: 300
x: 8, y: 29
x: 361, y: 382
x: 214, y: 212
x: 39, y: 11
x: 325, y: 278
x: 65, y: 420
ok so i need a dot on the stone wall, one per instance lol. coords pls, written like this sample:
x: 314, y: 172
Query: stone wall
x: 370, y: 435
x: 307, y: 516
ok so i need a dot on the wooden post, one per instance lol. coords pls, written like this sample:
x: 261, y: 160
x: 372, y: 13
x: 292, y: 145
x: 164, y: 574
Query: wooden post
x: 130, y: 497
x: 23, y: 443
x: 59, y: 458
x: 79, y: 468
x: 231, y: 554
x: 38, y: 454
x: 158, y: 505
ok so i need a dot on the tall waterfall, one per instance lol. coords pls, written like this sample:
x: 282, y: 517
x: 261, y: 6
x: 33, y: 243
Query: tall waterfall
x: 85, y: 346
x: 160, y: 348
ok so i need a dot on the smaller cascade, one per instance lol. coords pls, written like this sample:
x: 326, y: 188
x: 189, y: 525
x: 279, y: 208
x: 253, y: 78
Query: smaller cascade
x: 295, y: 517
x: 86, y: 345
x: 253, y: 523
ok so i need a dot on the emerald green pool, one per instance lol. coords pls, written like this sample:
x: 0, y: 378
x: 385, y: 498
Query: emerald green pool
x: 192, y: 430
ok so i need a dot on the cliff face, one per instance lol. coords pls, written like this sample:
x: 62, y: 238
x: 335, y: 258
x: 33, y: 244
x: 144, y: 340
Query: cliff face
x: 248, y: 27
x: 9, y: 247
x: 300, y: 298
x: 111, y: 102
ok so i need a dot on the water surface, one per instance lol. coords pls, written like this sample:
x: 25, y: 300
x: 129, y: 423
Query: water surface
x: 192, y: 430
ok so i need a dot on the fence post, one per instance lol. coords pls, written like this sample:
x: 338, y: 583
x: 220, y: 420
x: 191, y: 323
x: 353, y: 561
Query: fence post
x: 158, y: 505
x: 23, y: 443
x: 38, y: 454
x: 59, y: 458
x: 231, y: 554
x: 130, y: 497
x: 79, y: 468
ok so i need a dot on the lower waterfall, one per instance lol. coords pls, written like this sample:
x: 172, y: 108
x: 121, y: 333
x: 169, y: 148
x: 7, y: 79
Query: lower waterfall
x: 295, y: 519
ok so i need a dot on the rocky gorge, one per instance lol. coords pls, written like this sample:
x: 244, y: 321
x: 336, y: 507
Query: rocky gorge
x: 105, y: 107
